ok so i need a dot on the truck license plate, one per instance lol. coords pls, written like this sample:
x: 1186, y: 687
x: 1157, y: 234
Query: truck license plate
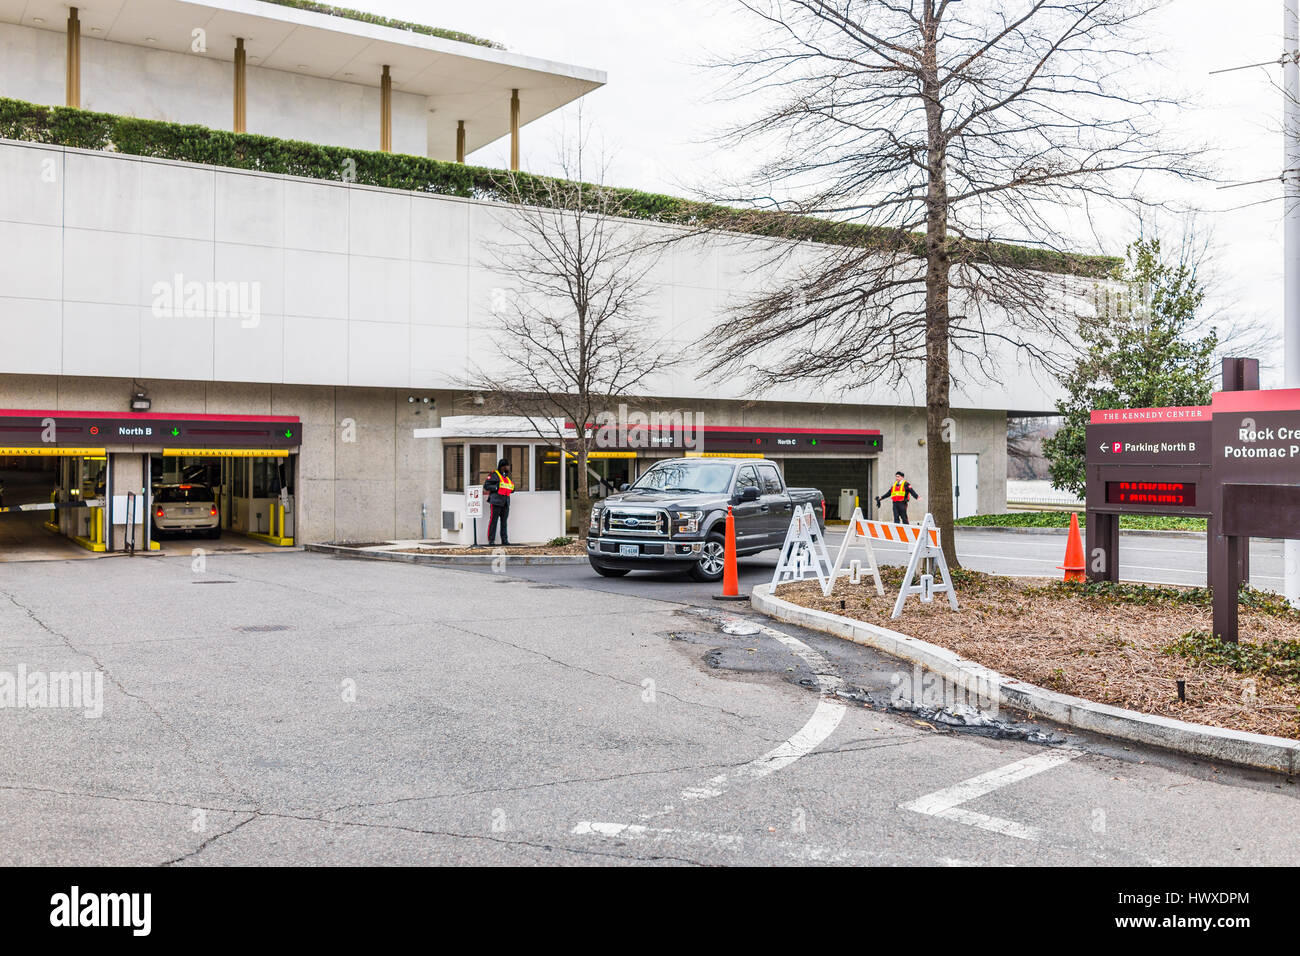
x: 629, y: 550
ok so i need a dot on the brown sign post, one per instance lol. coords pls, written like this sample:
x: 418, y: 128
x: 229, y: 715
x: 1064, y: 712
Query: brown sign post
x: 1235, y: 462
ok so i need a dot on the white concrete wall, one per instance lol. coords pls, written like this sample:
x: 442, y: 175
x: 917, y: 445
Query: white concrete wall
x: 191, y: 88
x: 358, y: 286
x: 534, y: 517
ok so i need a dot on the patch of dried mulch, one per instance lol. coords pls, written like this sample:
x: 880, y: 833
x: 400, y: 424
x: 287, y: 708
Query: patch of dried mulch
x: 1102, y: 648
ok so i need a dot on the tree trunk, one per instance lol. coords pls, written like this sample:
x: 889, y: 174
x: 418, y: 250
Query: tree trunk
x: 940, y: 429
x: 582, y: 496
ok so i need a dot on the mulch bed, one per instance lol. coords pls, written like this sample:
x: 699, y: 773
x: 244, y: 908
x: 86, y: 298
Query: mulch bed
x: 1106, y: 647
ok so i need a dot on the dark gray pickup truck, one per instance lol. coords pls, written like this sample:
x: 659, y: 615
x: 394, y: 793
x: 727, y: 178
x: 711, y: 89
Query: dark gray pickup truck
x: 675, y: 516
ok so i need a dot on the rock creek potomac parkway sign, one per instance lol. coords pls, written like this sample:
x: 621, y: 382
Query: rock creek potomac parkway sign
x: 1235, y: 462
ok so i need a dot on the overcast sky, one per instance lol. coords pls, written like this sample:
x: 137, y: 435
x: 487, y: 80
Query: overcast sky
x: 656, y: 114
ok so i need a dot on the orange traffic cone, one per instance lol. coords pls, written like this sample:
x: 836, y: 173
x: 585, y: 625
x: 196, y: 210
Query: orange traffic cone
x: 1074, y: 567
x: 730, y: 578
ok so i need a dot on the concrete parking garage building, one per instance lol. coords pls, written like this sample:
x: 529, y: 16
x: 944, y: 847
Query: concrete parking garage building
x: 286, y: 336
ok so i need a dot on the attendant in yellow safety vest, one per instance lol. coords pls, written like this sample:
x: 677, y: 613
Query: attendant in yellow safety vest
x: 898, y: 493
x: 498, y: 487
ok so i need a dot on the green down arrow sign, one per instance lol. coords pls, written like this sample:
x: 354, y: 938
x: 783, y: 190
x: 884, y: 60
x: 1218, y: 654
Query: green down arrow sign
x: 175, y: 432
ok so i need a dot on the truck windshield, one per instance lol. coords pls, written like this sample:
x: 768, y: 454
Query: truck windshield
x: 713, y: 477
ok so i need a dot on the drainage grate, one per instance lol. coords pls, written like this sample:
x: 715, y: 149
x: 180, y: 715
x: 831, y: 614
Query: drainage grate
x: 212, y: 582
x: 262, y: 628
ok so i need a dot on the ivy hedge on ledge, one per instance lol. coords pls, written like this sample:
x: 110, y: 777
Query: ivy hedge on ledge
x: 377, y: 20
x: 83, y: 129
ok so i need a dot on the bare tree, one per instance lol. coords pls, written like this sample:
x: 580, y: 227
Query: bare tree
x: 572, y: 337
x: 953, y: 135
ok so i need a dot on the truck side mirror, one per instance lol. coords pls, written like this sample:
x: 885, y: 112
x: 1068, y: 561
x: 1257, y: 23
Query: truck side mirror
x: 624, y: 486
x: 748, y: 493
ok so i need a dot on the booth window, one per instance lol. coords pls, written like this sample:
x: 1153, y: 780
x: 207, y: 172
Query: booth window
x: 266, y: 477
x: 517, y: 455
x: 482, y: 462
x: 548, y: 469
x: 453, y: 467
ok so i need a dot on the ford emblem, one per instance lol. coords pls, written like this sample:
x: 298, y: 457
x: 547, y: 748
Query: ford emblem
x: 632, y: 522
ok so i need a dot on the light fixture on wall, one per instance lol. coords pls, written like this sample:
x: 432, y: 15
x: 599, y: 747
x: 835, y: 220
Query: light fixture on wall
x: 140, y: 401
x: 478, y: 399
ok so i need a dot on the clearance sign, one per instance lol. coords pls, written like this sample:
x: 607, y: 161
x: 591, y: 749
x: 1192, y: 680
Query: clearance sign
x: 225, y: 453
x: 48, y: 451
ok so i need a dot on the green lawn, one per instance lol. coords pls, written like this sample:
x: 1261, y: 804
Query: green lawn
x: 1061, y: 519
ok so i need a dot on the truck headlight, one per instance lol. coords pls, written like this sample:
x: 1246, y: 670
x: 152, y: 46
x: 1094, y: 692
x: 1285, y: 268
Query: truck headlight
x: 687, y: 522
x: 595, y: 519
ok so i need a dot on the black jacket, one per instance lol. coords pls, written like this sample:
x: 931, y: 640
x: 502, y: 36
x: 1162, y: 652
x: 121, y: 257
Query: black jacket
x: 492, y: 488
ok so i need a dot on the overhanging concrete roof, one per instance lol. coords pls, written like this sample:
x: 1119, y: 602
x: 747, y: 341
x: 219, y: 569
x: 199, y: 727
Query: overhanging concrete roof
x: 458, y: 427
x: 464, y: 81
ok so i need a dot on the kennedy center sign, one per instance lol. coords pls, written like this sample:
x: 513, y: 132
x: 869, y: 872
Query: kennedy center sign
x: 1236, y: 462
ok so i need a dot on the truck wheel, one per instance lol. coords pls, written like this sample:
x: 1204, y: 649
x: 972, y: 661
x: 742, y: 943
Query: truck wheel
x: 712, y: 557
x: 605, y: 572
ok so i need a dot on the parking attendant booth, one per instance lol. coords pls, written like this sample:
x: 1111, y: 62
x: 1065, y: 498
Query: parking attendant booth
x: 469, y: 447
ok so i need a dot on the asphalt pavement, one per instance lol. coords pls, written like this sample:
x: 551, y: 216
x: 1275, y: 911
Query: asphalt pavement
x: 1153, y: 559
x: 298, y: 708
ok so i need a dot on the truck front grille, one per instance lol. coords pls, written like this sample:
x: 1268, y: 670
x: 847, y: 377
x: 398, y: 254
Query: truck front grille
x: 638, y: 522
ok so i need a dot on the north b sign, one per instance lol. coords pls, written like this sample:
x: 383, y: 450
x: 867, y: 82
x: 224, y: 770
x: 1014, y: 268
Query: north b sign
x: 146, y: 430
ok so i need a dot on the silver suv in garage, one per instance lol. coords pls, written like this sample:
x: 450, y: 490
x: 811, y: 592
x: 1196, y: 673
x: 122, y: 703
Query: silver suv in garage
x: 185, y: 509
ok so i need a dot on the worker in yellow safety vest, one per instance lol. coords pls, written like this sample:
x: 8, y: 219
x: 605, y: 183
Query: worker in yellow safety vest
x: 898, y: 493
x: 498, y: 487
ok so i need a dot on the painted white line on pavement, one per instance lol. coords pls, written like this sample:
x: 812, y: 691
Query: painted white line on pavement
x: 809, y: 852
x: 635, y: 831
x: 825, y: 718
x: 821, y: 725
x: 946, y: 803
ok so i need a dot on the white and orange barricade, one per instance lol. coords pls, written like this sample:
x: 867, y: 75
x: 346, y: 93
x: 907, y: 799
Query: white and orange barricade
x: 924, y: 541
x: 859, y: 535
x: 888, y: 531
x: 926, y: 548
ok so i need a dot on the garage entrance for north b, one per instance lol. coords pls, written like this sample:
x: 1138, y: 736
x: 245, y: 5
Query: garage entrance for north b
x: 208, y: 493
x: 81, y: 483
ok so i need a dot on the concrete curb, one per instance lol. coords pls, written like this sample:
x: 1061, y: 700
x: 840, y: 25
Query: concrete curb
x: 446, y: 560
x: 1239, y: 747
